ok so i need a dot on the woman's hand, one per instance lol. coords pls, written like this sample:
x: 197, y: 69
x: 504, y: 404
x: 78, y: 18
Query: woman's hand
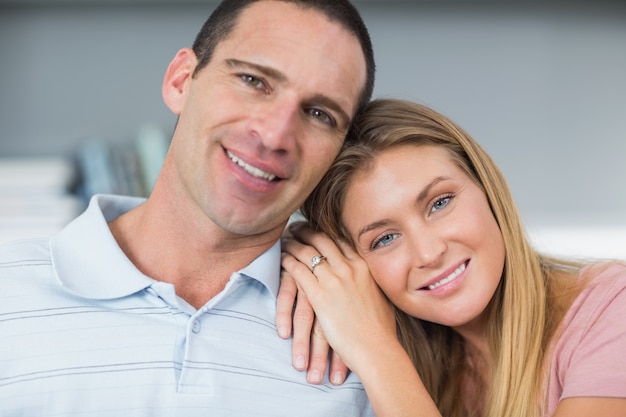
x: 310, y: 348
x: 355, y: 316
x: 357, y: 319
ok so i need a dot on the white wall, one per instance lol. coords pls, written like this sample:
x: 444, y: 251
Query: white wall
x: 543, y: 88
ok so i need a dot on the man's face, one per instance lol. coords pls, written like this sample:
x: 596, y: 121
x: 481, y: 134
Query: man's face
x: 262, y: 122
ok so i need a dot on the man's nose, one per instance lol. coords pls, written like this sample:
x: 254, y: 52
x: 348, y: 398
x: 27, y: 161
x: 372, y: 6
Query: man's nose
x: 276, y: 124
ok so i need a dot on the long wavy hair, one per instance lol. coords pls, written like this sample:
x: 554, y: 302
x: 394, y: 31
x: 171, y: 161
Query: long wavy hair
x: 529, y: 302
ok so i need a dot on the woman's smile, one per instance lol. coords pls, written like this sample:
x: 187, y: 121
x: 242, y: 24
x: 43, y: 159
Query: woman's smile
x: 449, y: 281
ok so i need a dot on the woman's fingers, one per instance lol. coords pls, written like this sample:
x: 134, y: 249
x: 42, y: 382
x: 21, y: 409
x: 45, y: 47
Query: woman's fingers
x: 318, y: 356
x: 348, y: 305
x: 309, y: 348
x: 319, y: 244
x: 285, y: 301
x: 303, y: 317
x: 338, y: 369
x: 294, y: 261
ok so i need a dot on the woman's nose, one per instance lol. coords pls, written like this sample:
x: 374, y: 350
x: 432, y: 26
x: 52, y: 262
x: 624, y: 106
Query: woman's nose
x: 428, y: 248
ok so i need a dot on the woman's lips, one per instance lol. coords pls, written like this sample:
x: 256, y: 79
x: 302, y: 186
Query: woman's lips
x: 446, y: 279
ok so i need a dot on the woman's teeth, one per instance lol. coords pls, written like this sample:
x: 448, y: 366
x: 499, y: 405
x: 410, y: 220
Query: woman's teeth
x: 449, y: 278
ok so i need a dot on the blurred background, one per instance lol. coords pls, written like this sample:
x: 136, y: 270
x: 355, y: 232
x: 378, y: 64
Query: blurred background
x: 540, y: 84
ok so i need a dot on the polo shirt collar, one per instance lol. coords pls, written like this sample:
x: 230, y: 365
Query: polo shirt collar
x: 266, y: 269
x: 86, y: 257
x: 88, y: 261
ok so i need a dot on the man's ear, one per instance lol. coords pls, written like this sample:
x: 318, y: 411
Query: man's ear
x: 177, y: 79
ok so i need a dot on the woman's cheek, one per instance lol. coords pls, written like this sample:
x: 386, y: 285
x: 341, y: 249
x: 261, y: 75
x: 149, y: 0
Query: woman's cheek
x: 388, y: 277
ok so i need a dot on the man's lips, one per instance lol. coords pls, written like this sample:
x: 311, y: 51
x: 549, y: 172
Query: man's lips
x: 439, y: 281
x: 254, y: 171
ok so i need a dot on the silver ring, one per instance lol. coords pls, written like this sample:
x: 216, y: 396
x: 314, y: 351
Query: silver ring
x: 316, y: 260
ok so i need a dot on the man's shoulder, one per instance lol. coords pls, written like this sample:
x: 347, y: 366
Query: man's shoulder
x: 26, y: 252
x: 25, y: 266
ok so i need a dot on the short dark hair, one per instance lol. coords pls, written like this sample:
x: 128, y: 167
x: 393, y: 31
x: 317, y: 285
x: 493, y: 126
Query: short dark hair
x: 224, y: 18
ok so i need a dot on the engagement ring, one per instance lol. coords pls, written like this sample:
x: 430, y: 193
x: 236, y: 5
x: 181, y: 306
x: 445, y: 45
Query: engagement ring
x: 316, y: 260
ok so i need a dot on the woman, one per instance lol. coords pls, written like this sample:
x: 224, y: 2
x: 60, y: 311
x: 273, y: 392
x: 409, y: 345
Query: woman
x: 491, y: 327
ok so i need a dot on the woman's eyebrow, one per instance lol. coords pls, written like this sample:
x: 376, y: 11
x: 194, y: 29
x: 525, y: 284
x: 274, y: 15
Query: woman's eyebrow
x: 424, y: 193
x: 371, y: 226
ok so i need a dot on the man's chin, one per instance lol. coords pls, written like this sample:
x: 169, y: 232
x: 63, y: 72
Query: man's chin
x: 254, y: 226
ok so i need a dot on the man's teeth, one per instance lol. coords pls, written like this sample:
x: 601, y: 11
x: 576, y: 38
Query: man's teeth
x: 255, y: 172
x: 449, y: 278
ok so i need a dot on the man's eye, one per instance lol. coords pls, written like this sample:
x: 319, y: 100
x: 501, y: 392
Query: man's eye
x: 322, y: 116
x: 253, y: 81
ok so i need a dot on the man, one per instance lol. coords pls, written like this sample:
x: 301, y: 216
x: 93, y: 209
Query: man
x: 166, y: 306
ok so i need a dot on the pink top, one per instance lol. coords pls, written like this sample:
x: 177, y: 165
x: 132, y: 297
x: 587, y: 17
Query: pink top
x: 589, y: 358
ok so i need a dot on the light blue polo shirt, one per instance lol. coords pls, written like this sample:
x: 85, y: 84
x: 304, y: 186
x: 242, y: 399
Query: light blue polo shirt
x: 84, y: 333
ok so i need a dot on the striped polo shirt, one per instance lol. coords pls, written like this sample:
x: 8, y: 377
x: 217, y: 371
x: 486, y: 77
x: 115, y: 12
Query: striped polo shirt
x: 84, y: 333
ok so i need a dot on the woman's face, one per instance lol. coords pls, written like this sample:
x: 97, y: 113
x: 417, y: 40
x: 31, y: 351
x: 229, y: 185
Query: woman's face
x: 427, y: 233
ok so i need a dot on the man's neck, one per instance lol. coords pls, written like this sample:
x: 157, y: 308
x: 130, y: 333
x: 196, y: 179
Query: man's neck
x: 198, y: 264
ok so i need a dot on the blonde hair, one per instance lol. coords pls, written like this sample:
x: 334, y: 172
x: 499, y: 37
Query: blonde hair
x: 521, y: 319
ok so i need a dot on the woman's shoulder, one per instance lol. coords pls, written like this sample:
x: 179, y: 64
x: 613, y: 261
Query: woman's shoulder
x: 592, y: 336
x: 602, y: 297
x: 600, y: 276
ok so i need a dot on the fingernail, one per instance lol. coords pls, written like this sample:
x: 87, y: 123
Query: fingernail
x: 300, y: 363
x: 280, y: 328
x: 315, y: 376
x: 337, y: 378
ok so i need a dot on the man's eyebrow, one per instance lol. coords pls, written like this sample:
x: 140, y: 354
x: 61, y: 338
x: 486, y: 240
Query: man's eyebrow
x: 270, y: 72
x: 319, y: 99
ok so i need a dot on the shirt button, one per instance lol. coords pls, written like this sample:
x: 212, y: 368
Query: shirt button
x: 195, y: 326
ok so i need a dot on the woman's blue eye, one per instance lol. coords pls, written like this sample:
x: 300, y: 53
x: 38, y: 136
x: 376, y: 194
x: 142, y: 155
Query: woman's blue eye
x: 441, y: 203
x: 384, y: 240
